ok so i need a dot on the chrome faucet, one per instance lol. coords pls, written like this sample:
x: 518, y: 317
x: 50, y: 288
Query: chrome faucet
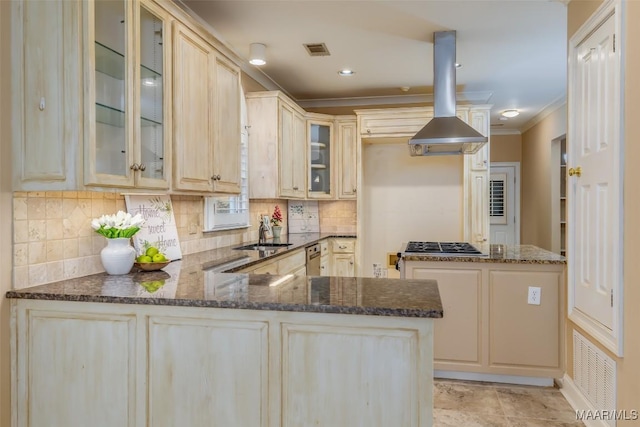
x: 262, y: 234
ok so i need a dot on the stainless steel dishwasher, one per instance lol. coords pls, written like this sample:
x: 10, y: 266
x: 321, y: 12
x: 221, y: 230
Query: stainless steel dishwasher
x: 313, y: 260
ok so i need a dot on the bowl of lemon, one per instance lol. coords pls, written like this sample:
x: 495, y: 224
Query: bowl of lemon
x: 152, y: 260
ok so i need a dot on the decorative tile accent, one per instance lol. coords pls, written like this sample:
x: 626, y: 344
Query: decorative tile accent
x: 303, y: 216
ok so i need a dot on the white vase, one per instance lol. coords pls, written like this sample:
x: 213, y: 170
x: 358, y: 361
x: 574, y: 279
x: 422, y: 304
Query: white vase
x: 277, y: 229
x: 118, y: 256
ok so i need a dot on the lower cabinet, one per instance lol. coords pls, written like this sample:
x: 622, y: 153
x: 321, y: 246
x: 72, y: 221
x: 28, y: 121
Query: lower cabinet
x: 294, y: 263
x: 93, y: 364
x: 488, y: 324
x: 343, y: 257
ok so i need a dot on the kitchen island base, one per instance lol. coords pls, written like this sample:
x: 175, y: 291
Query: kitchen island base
x: 103, y: 364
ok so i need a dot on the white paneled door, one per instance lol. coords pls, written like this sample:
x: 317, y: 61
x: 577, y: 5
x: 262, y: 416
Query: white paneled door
x: 594, y: 181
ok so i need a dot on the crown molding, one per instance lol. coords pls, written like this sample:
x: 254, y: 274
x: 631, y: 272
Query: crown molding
x: 467, y: 97
x: 504, y: 132
x: 547, y: 110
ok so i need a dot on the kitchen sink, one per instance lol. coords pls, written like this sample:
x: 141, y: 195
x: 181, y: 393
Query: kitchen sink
x: 265, y: 246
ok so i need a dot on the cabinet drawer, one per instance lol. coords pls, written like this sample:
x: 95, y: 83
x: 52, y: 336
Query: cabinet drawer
x: 291, y: 263
x: 271, y: 268
x: 343, y: 246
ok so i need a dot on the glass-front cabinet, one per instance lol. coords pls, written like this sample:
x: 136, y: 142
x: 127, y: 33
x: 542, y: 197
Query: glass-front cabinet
x: 127, y: 96
x: 320, y: 152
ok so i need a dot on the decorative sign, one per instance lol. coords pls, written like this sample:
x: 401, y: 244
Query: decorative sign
x: 159, y: 229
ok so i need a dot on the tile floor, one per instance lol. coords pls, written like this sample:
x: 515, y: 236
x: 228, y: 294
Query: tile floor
x: 476, y: 404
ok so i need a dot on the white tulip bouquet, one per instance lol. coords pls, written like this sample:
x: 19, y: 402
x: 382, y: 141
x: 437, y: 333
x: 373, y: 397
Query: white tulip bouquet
x: 122, y: 224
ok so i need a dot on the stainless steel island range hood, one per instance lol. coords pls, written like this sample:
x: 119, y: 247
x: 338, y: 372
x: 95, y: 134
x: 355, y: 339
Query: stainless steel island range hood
x: 445, y: 133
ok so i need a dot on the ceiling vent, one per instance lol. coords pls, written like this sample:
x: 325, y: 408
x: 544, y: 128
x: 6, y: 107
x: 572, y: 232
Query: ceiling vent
x: 317, y: 49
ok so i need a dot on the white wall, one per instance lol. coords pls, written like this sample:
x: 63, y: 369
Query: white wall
x: 407, y: 198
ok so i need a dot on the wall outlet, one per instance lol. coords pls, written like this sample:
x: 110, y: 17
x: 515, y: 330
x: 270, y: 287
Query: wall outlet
x: 534, y: 295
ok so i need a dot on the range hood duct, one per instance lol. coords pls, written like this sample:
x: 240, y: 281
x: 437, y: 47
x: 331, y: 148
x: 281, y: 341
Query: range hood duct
x: 445, y: 134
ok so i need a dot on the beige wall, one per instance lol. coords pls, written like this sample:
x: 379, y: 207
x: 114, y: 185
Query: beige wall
x: 407, y: 198
x: 5, y: 210
x: 628, y: 367
x: 537, y: 181
x: 506, y: 148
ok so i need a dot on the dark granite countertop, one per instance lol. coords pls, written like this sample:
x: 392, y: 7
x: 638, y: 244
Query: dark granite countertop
x: 193, y: 282
x: 509, y: 254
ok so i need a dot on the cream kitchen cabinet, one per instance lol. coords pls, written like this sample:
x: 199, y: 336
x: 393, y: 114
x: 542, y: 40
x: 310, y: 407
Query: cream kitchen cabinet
x: 325, y: 258
x: 206, y: 116
x: 320, y: 155
x: 277, y: 137
x: 343, y: 258
x: 126, y: 94
x: 476, y: 190
x: 46, y: 96
x: 292, y: 263
x: 347, y: 157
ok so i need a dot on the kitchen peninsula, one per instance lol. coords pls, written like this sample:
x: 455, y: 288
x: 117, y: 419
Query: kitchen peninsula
x: 230, y: 348
x: 506, y: 308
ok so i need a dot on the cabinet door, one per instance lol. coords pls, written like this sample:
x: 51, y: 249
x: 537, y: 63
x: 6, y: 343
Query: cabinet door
x: 46, y: 61
x: 320, y: 157
x: 344, y: 265
x: 478, y: 121
x: 153, y: 106
x: 299, y: 155
x: 62, y: 360
x: 109, y: 156
x: 292, y: 157
x: 479, y: 208
x: 347, y: 167
x: 193, y: 105
x: 205, y: 372
x: 226, y: 143
x: 325, y: 266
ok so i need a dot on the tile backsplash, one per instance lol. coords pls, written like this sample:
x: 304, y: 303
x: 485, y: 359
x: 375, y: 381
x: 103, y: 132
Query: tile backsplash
x: 53, y: 239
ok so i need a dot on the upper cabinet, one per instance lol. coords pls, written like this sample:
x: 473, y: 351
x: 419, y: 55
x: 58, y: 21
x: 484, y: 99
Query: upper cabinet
x: 320, y: 154
x: 107, y: 95
x: 46, y: 94
x: 126, y: 95
x: 206, y: 116
x: 347, y: 160
x: 277, y: 141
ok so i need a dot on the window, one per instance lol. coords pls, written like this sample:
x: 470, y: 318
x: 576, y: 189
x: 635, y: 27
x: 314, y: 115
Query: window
x: 497, y: 208
x: 228, y: 212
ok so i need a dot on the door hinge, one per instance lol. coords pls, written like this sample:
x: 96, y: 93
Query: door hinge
x: 611, y: 297
x: 614, y: 42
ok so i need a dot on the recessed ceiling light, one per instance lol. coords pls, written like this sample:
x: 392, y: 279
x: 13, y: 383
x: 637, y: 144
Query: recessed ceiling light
x: 510, y: 113
x: 346, y: 72
x: 257, y: 54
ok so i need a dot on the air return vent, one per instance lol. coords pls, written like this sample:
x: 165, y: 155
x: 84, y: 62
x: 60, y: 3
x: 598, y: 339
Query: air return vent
x: 317, y: 49
x: 594, y: 373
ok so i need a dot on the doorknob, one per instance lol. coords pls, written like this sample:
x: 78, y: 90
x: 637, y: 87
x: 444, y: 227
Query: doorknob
x: 577, y: 171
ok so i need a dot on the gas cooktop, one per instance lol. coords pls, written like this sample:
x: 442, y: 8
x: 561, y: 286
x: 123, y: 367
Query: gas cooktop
x: 441, y: 248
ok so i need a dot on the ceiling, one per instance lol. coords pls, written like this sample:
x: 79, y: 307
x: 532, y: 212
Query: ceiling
x: 513, y: 52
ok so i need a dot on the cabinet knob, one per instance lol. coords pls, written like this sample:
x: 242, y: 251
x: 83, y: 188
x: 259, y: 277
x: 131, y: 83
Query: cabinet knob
x: 342, y: 247
x: 295, y: 188
x: 355, y: 189
x: 369, y: 131
x: 43, y: 104
x: 213, y: 178
x: 351, y: 262
x: 142, y: 167
x: 218, y: 177
x: 134, y: 167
